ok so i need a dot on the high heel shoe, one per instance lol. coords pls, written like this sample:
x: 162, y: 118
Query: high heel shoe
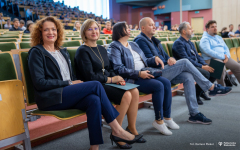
x: 141, y: 140
x: 117, y: 139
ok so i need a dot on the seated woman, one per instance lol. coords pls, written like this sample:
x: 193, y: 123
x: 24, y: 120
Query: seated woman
x: 92, y: 63
x: 56, y: 88
x: 128, y: 60
x: 29, y: 27
x: 77, y: 26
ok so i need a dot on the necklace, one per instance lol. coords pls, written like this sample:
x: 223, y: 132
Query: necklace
x: 102, y: 61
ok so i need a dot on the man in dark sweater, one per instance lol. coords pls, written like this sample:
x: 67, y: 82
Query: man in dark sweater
x: 16, y: 25
x: 184, y: 48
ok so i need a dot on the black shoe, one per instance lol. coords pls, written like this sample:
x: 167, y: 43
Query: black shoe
x: 141, y: 140
x: 204, y: 96
x: 126, y: 146
x: 199, y: 101
x: 117, y: 139
x: 199, y: 118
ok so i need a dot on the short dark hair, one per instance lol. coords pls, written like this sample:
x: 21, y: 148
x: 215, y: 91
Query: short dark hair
x: 119, y: 31
x: 239, y: 25
x: 22, y: 22
x: 209, y: 23
x: 230, y: 25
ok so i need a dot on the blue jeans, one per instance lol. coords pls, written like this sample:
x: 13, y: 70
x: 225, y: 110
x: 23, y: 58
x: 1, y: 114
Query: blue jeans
x: 90, y: 97
x: 185, y: 72
x: 160, y: 88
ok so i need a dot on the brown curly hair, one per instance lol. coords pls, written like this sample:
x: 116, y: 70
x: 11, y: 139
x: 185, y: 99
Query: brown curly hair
x: 36, y: 34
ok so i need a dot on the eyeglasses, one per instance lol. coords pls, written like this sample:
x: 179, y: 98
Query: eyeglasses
x: 91, y: 29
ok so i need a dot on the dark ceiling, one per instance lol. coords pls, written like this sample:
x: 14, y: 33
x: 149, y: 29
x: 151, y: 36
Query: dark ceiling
x: 140, y: 2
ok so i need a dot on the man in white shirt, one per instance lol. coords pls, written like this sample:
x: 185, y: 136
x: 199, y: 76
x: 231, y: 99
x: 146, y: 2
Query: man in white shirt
x: 231, y: 33
x: 29, y: 14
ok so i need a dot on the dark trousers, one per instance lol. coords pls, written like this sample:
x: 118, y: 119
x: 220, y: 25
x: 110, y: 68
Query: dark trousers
x: 90, y: 97
x: 160, y: 88
x: 206, y: 74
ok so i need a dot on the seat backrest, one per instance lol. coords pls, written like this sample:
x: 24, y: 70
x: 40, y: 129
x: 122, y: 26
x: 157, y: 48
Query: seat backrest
x: 26, y: 78
x: 194, y: 38
x: 76, y: 38
x: 25, y: 45
x: 229, y: 43
x: 169, y: 46
x: 100, y: 42
x: 173, y: 39
x: 162, y: 38
x: 108, y: 41
x: 235, y: 42
x: 9, y: 36
x: 7, y: 67
x: 8, y: 46
x: 165, y: 48
x: 8, y: 40
x: 72, y: 53
x: 26, y: 36
x: 197, y: 46
x: 71, y: 44
x: 26, y: 39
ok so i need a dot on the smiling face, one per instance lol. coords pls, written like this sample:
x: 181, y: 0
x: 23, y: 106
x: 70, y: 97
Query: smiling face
x: 49, y: 32
x: 92, y: 32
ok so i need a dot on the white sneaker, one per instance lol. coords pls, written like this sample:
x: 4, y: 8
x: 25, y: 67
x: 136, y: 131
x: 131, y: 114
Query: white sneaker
x: 162, y: 128
x: 171, y: 124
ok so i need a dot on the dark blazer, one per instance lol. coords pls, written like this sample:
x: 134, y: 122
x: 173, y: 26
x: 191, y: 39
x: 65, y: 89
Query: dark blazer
x: 186, y: 49
x: 46, y: 76
x: 123, y: 62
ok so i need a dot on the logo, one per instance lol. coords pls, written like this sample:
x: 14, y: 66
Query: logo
x: 220, y: 143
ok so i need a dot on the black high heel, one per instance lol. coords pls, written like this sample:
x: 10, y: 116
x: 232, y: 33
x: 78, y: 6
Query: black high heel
x: 125, y: 146
x: 117, y: 139
x: 141, y: 140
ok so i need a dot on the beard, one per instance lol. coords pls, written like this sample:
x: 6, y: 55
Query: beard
x: 190, y: 36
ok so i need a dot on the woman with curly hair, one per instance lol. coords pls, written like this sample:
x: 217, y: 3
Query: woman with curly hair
x: 55, y: 86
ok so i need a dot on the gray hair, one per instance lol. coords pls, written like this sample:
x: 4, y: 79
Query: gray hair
x: 183, y: 26
x: 143, y: 22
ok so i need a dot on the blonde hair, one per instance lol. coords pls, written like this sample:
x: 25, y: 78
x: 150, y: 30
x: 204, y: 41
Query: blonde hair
x: 36, y: 34
x: 86, y: 24
x: 76, y: 23
x: 107, y: 22
x: 165, y: 28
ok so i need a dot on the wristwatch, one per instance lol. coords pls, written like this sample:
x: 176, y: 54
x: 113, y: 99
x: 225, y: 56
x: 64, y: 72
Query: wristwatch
x: 70, y: 82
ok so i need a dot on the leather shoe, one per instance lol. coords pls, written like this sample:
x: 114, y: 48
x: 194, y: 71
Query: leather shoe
x: 199, y: 101
x: 126, y: 146
x: 204, y: 96
x: 141, y: 140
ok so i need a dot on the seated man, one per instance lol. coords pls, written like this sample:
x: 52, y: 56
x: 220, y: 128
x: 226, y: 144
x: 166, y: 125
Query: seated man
x: 181, y: 71
x: 22, y: 25
x: 16, y: 25
x: 212, y: 46
x: 231, y: 33
x: 184, y: 48
x: 238, y: 31
x: 107, y: 29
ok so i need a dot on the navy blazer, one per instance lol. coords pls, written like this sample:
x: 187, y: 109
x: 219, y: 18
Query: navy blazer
x: 123, y: 62
x: 186, y: 49
x: 46, y: 76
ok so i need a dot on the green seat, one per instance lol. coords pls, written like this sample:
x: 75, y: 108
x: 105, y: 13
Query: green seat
x: 173, y: 39
x: 7, y: 46
x: 229, y: 43
x: 12, y: 32
x: 103, y: 37
x: 7, y: 68
x: 27, y: 39
x: 198, y: 47
x: 169, y: 46
x: 71, y: 44
x: 172, y: 35
x: 25, y: 45
x: 199, y: 37
x: 26, y: 36
x: 66, y: 38
x: 108, y: 41
x: 76, y: 38
x: 100, y: 42
x: 29, y: 92
x: 165, y: 48
x: 194, y: 38
x: 235, y: 42
x: 8, y: 40
x: 72, y: 53
x: 162, y: 38
x: 9, y: 36
x: 130, y: 39
x: 72, y: 35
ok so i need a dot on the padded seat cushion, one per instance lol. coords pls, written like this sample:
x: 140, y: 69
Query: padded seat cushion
x: 100, y: 42
x: 7, y: 70
x: 60, y: 114
x: 7, y: 46
x: 25, y: 45
x: 9, y: 36
x: 170, y: 45
x: 8, y: 40
x: 71, y: 44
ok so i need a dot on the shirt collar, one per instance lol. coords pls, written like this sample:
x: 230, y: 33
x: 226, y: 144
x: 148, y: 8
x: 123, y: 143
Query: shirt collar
x: 183, y: 39
x: 146, y: 37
